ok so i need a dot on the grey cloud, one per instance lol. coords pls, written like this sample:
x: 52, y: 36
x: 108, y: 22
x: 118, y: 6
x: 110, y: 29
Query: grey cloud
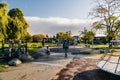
x: 53, y: 25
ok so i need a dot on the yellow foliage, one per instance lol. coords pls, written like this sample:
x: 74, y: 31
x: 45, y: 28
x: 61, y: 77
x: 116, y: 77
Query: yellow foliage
x: 42, y: 36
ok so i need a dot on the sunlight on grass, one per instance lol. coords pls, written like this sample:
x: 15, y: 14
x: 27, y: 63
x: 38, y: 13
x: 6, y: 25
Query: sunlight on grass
x: 3, y: 66
x: 115, y: 53
x: 95, y: 46
x: 32, y: 46
x: 99, y: 46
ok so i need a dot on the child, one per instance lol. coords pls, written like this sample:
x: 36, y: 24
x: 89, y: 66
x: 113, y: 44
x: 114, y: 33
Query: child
x: 48, y: 51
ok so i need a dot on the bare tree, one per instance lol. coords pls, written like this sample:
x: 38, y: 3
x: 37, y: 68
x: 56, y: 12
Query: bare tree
x: 107, y: 12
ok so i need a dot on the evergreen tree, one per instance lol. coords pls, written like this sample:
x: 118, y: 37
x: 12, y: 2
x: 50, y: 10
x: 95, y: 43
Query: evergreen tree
x: 17, y: 24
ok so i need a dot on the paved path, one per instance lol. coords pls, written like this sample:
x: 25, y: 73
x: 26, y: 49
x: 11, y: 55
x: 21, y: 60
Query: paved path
x: 43, y: 68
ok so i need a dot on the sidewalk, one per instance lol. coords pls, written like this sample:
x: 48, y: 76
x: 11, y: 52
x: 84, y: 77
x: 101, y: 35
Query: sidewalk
x: 43, y: 68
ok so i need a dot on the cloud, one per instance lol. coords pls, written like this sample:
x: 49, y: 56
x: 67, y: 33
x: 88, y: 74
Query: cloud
x: 53, y: 25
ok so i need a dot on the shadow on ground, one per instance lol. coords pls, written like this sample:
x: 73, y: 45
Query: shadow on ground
x: 83, y: 69
x: 54, y: 57
x: 96, y: 74
x: 58, y: 53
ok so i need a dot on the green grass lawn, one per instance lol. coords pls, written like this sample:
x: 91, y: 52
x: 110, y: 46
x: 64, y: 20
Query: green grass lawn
x: 32, y: 46
x: 115, y: 53
x: 99, y: 46
x: 95, y: 46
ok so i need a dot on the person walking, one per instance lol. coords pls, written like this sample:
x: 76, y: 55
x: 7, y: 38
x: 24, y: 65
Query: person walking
x: 65, y: 47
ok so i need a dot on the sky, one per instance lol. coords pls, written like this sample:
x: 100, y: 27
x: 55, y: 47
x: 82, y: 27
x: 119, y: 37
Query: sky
x: 52, y: 16
x: 52, y: 8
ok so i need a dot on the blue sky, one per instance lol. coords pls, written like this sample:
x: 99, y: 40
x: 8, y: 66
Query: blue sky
x: 52, y: 8
x: 53, y: 16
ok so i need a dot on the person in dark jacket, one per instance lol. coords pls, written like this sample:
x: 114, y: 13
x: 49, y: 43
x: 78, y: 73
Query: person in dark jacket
x: 65, y: 47
x: 47, y: 51
x: 43, y: 43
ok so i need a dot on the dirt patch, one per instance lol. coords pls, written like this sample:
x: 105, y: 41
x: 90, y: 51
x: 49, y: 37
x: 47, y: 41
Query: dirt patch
x: 83, y: 69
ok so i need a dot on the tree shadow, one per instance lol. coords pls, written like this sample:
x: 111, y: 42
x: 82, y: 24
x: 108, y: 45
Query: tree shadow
x: 59, y: 54
x: 53, y: 57
x: 96, y: 74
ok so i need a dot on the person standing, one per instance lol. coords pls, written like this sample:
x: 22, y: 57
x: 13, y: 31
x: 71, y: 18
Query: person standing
x: 47, y: 50
x: 43, y: 43
x: 65, y: 47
